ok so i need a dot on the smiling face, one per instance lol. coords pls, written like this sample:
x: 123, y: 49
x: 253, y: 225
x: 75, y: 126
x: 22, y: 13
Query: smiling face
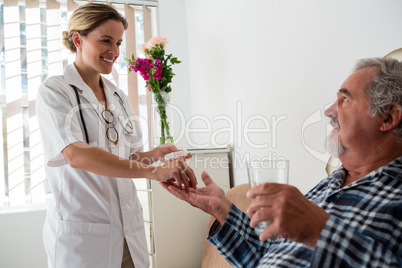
x: 354, y: 129
x: 97, y: 51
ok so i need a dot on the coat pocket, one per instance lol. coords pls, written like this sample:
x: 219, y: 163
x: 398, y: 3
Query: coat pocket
x: 82, y: 244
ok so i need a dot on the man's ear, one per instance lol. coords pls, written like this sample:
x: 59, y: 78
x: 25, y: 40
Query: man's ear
x: 77, y: 39
x: 393, y: 119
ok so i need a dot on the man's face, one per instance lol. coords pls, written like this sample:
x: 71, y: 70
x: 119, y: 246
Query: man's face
x: 354, y: 129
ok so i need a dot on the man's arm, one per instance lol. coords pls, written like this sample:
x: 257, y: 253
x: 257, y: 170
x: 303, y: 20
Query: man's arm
x: 211, y: 198
x: 231, y: 234
x: 291, y: 214
x: 346, y: 246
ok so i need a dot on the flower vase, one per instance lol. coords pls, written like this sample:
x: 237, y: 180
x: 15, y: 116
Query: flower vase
x: 156, y: 69
x: 165, y: 136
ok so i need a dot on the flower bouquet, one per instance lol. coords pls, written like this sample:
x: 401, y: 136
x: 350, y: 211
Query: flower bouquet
x: 156, y: 69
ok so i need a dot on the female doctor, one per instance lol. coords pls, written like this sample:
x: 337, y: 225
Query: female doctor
x: 92, y: 148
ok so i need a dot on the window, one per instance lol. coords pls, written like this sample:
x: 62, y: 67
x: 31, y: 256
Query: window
x: 27, y: 55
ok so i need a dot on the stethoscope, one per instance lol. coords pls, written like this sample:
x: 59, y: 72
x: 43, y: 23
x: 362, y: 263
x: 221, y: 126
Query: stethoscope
x: 128, y: 127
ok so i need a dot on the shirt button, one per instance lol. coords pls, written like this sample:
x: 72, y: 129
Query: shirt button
x: 124, y: 203
x: 125, y: 232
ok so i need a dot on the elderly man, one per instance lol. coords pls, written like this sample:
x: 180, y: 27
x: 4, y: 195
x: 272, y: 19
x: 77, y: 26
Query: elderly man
x: 353, y: 218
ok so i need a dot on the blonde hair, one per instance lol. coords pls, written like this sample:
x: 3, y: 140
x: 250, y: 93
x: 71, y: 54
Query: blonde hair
x: 86, y: 18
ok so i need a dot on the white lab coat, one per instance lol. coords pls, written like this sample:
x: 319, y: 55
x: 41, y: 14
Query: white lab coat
x: 90, y: 215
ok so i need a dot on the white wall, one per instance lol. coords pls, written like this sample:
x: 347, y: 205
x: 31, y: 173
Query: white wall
x: 171, y: 19
x: 275, y: 59
x: 21, y: 243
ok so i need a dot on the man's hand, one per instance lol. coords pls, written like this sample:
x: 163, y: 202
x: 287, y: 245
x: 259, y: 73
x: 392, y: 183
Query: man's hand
x: 210, y: 198
x: 292, y: 215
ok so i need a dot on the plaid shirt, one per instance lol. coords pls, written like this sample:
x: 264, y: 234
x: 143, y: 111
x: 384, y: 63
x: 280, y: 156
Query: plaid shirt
x: 363, y: 230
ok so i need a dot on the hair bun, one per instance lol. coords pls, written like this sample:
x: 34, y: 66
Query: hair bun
x: 68, y: 42
x: 65, y: 38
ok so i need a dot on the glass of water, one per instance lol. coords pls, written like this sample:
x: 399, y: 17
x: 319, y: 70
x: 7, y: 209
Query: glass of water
x: 266, y: 170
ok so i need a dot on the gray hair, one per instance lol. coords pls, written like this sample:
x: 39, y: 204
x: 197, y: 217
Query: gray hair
x: 386, y: 87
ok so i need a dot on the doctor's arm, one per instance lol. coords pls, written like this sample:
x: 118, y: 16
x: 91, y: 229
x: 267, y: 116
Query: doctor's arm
x: 86, y: 157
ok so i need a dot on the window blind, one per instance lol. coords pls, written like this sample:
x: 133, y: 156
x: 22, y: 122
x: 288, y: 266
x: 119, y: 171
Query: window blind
x: 149, y: 3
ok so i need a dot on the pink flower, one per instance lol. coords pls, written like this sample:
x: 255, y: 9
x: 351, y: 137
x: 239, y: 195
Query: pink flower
x: 144, y: 47
x: 147, y: 68
x: 143, y: 66
x: 157, y: 70
x: 157, y: 40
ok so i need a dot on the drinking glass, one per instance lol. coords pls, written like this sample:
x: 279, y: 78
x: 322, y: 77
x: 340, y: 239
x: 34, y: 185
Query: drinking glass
x: 267, y: 170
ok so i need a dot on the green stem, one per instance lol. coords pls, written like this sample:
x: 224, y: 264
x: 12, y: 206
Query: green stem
x: 165, y: 123
x: 162, y: 137
x: 163, y: 118
x: 164, y: 126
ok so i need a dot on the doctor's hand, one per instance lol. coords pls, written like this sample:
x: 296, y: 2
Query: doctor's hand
x: 160, y: 151
x: 176, y: 173
x: 291, y: 214
x: 211, y: 198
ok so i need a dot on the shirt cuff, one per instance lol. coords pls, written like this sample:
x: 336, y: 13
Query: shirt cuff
x: 233, y: 221
x: 215, y: 227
